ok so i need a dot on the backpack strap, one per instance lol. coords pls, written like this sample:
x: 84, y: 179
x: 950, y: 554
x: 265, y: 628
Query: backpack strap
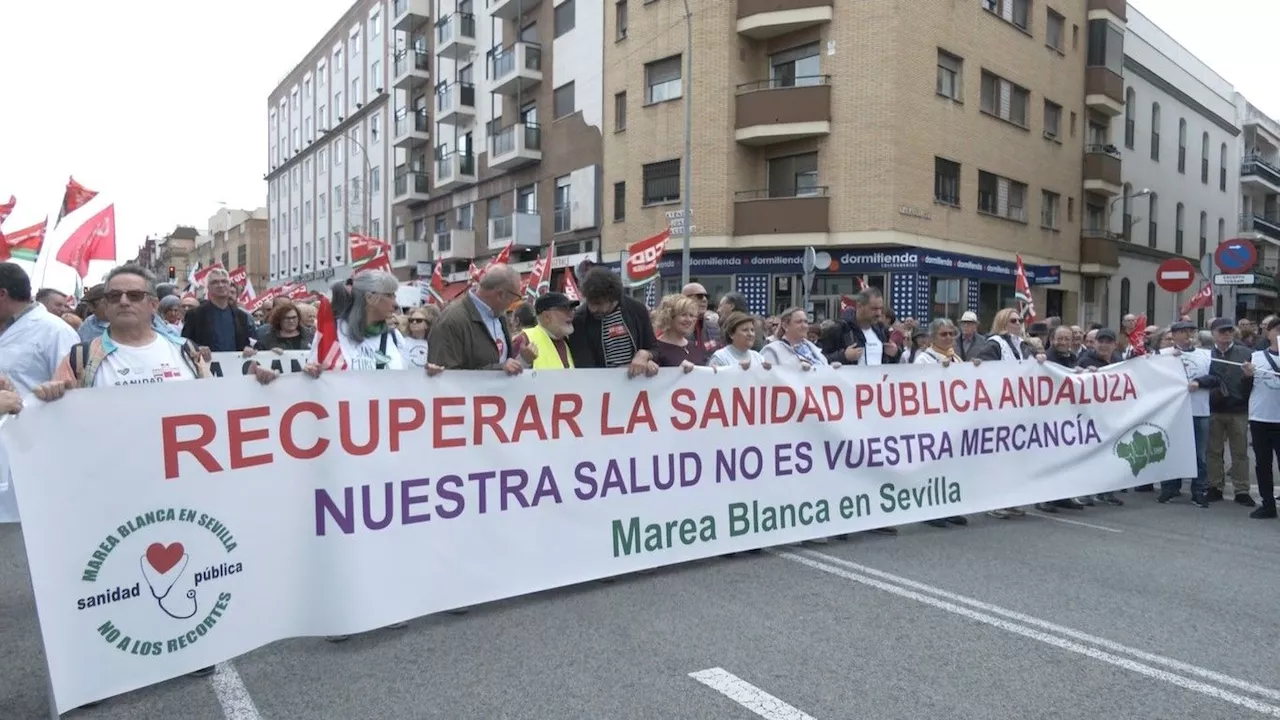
x: 78, y: 359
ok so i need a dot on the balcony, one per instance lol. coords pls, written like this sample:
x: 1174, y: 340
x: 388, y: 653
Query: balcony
x: 1103, y: 91
x: 1102, y: 170
x: 524, y: 228
x: 516, y: 68
x: 412, y: 128
x: 456, y: 35
x: 455, y: 169
x: 409, y: 14
x: 410, y: 68
x: 456, y: 244
x: 408, y: 254
x: 1266, y: 227
x: 755, y: 212
x: 515, y: 146
x: 777, y: 111
x: 412, y: 187
x: 1113, y: 10
x: 1256, y: 171
x: 760, y: 19
x: 456, y: 104
x: 1099, y: 250
x: 508, y: 9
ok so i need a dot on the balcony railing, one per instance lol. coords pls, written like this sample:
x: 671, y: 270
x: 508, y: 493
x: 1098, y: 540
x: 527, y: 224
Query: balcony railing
x: 444, y: 96
x: 457, y: 25
x: 1255, y: 165
x: 415, y: 120
x: 502, y: 61
x: 445, y: 165
x: 411, y: 59
x: 412, y: 181
x: 504, y: 142
x: 784, y: 82
x: 444, y: 242
x: 503, y: 227
x: 1268, y: 226
x: 1109, y: 150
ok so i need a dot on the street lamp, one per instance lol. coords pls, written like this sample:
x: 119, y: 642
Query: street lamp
x: 685, y: 210
x: 1124, y: 229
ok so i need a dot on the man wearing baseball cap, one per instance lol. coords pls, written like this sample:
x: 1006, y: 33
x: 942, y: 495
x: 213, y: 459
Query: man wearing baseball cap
x: 548, y: 340
x: 1229, y: 414
x: 1200, y: 380
x: 970, y: 339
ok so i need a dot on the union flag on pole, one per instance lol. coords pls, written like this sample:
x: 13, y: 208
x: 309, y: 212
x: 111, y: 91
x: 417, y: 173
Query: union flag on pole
x: 94, y: 240
x: 369, y: 253
x: 1202, y: 299
x: 1022, y: 291
x: 5, y: 210
x: 23, y: 244
x: 75, y: 197
x: 328, y: 349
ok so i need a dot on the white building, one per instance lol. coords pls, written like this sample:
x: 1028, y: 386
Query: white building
x: 1181, y: 194
x: 1259, y: 209
x: 330, y: 109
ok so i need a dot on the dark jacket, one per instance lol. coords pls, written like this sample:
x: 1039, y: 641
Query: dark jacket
x: 197, y: 326
x: 994, y: 348
x: 1231, y: 396
x: 269, y: 340
x: 460, y: 339
x: 846, y: 334
x: 969, y: 350
x: 587, y: 341
x: 1066, y: 359
x: 1091, y: 359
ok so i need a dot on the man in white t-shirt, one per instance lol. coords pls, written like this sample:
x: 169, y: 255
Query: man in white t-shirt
x: 1200, y: 380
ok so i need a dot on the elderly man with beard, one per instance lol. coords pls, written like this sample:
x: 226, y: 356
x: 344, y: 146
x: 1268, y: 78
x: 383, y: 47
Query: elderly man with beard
x: 547, y: 341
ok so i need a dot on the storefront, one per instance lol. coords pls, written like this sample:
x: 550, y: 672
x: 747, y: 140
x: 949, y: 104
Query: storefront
x: 916, y: 282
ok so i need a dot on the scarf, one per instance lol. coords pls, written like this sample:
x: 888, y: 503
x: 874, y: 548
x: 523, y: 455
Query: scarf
x: 945, y: 354
x: 375, y: 330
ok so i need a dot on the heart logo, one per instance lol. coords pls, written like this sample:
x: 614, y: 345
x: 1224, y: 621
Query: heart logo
x: 163, y: 557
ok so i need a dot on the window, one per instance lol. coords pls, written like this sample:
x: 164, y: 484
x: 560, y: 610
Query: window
x: 1182, y: 145
x: 1004, y: 99
x: 337, y: 197
x: 293, y: 100
x: 306, y: 213
x: 1054, y: 29
x: 467, y: 217
x: 1016, y: 12
x: 527, y: 199
x: 355, y: 91
x: 561, y: 206
x: 1125, y: 287
x: 375, y: 127
x: 1050, y: 206
x: 661, y: 182
x: 1151, y: 299
x: 375, y: 73
x: 1222, y: 167
x: 375, y: 25
x: 946, y: 182
x: 337, y: 107
x: 320, y: 74
x: 620, y: 111
x: 564, y: 19
x: 1106, y: 46
x: 1222, y: 231
x: 1153, y: 202
x: 1052, y: 119
x: 619, y: 201
x: 375, y: 180
x: 355, y: 43
x: 620, y: 19
x: 321, y: 203
x: 793, y: 175
x: 795, y: 67
x: 950, y: 72
x: 562, y: 100
x: 1130, y: 124
x: 1179, y: 219
x: 1002, y: 197
x: 1204, y: 158
x: 337, y: 153
x: 662, y: 79
x: 321, y: 115
x: 306, y: 88
x: 1204, y: 232
x: 1155, y: 131
x: 337, y: 60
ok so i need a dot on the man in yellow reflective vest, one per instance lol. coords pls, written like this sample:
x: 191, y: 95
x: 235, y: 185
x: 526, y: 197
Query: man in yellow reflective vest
x: 547, y: 342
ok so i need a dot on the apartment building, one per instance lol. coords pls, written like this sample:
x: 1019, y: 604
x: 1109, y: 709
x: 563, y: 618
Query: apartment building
x: 175, y: 250
x: 921, y: 145
x: 329, y: 160
x: 238, y: 238
x: 1180, y: 189
x: 1259, y: 146
x: 504, y: 146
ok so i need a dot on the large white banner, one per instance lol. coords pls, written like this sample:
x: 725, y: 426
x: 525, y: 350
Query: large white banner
x: 196, y: 522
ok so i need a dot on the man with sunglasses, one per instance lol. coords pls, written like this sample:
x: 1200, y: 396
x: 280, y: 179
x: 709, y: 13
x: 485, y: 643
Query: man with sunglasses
x: 706, y: 329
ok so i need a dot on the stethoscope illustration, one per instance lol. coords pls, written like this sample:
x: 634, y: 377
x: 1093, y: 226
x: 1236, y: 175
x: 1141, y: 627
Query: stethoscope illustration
x: 160, y: 597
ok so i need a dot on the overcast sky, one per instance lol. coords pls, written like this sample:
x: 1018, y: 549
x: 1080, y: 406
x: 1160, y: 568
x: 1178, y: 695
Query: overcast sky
x: 161, y: 106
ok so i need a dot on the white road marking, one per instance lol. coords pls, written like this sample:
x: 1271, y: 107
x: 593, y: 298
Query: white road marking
x: 989, y: 618
x: 748, y: 696
x: 233, y: 696
x: 1104, y: 528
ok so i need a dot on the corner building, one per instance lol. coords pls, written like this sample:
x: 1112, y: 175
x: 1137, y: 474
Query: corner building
x: 919, y: 143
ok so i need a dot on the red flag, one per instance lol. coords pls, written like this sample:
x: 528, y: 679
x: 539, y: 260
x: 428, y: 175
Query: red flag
x: 95, y: 240
x: 5, y: 210
x: 847, y: 303
x: 328, y: 349
x: 198, y: 277
x: 643, y: 257
x: 369, y: 253
x: 1202, y: 299
x: 862, y: 283
x: 1138, y: 338
x: 23, y: 244
x: 474, y: 273
x: 1022, y: 291
x: 571, y: 286
x: 435, y: 289
x: 74, y: 198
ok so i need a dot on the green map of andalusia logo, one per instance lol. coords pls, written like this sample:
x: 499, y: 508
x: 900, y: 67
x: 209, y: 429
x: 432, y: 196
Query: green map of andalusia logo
x: 1142, y: 447
x: 161, y: 581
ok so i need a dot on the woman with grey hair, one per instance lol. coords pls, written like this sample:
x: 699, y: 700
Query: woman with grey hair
x: 942, y: 345
x: 366, y: 337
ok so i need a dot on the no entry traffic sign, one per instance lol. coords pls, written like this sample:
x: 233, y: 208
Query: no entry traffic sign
x: 1236, y: 256
x: 1175, y: 274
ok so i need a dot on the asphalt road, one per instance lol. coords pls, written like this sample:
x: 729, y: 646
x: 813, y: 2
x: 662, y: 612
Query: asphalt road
x: 1145, y: 611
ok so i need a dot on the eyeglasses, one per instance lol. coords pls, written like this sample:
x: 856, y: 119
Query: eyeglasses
x: 1015, y: 321
x: 290, y: 317
x: 417, y: 320
x: 135, y: 296
x: 947, y: 333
